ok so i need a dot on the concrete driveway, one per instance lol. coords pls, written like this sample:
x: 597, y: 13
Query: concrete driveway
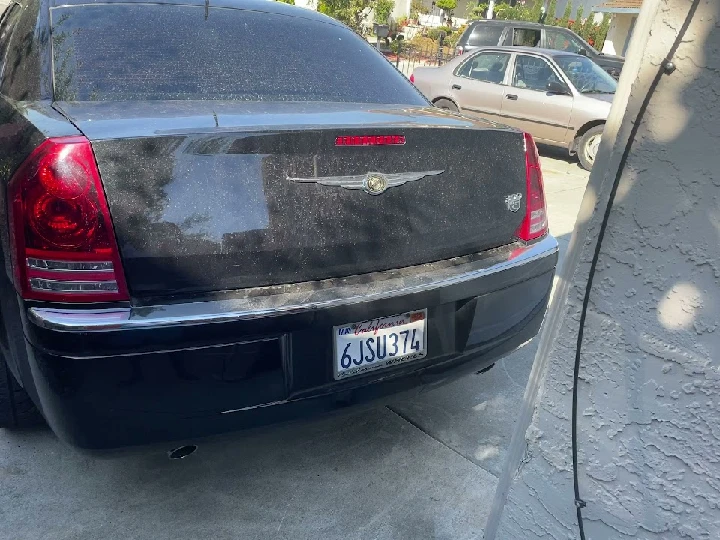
x: 420, y: 468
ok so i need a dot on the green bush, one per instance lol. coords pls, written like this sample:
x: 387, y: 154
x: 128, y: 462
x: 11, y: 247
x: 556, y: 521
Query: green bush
x: 353, y: 13
x: 434, y: 33
x: 422, y: 45
x: 383, y: 9
x: 453, y: 38
x: 512, y: 13
x: 475, y: 12
x: 535, y: 11
x: 418, y: 7
x: 446, y: 5
x: 506, y: 12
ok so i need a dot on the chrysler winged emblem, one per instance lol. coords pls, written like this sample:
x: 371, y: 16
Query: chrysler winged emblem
x: 373, y: 183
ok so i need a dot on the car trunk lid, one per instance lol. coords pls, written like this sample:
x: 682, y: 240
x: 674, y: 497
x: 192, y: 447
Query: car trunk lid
x: 213, y: 196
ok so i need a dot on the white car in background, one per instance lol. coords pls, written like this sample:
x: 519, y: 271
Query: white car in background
x: 560, y: 98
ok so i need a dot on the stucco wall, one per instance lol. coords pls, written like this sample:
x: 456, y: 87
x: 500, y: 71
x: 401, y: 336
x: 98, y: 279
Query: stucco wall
x: 618, y: 33
x: 649, y: 391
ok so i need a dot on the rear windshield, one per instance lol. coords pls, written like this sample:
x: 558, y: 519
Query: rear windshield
x: 484, y: 35
x: 159, y: 52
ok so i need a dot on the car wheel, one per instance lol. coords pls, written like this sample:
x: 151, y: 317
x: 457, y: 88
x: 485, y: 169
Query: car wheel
x: 588, y: 147
x: 446, y: 104
x: 16, y: 408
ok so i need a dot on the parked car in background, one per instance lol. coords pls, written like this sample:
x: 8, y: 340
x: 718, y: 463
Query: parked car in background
x: 526, y: 34
x: 562, y: 99
x: 198, y: 239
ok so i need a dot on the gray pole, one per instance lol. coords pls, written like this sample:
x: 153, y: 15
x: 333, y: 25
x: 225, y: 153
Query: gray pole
x: 648, y: 379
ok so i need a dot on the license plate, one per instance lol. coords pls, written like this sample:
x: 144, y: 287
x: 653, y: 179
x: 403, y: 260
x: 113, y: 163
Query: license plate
x: 379, y: 343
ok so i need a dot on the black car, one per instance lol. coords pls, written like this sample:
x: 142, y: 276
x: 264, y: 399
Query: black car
x: 208, y: 225
x: 526, y: 34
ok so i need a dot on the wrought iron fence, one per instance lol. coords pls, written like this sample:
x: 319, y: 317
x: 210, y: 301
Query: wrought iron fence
x: 408, y: 56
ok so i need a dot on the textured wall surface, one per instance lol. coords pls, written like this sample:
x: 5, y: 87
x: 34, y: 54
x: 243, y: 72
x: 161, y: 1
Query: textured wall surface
x: 649, y: 391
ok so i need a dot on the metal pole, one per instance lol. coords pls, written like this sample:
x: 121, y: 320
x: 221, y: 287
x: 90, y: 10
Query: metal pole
x: 544, y: 12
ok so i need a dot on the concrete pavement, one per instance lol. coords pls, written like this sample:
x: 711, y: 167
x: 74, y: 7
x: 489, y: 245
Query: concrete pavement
x: 363, y: 475
x: 474, y: 416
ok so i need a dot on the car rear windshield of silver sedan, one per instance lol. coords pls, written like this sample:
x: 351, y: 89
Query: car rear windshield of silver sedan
x: 119, y: 52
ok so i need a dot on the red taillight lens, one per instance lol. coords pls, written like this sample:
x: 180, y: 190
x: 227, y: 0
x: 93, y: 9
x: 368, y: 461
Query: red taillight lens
x: 535, y: 223
x: 64, y: 247
x: 370, y: 140
x: 412, y: 78
x: 459, y: 51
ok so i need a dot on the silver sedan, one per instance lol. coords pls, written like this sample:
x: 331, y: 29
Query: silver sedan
x: 561, y: 99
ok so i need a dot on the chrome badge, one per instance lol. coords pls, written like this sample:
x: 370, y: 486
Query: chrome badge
x: 374, y: 183
x: 513, y: 201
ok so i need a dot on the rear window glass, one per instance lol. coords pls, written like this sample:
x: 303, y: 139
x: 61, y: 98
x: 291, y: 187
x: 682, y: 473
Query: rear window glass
x: 161, y: 52
x: 525, y: 37
x: 484, y: 35
x: 486, y: 67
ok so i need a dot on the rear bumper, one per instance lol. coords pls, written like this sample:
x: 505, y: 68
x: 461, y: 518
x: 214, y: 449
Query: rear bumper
x: 119, y: 377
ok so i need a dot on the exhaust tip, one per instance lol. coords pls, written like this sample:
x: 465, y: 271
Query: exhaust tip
x: 182, y: 452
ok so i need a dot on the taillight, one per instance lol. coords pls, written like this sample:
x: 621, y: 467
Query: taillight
x: 535, y: 224
x: 459, y: 51
x: 412, y: 78
x: 64, y: 247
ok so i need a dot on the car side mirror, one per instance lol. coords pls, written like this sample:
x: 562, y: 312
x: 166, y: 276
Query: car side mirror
x: 555, y: 87
x: 583, y: 52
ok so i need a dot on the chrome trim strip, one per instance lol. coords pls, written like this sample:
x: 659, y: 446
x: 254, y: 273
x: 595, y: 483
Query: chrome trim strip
x: 290, y: 302
x: 72, y: 287
x: 51, y: 265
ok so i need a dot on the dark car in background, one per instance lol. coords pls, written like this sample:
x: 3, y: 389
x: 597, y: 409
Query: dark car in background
x: 199, y: 236
x: 486, y: 33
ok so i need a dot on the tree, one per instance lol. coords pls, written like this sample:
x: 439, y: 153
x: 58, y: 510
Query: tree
x: 586, y: 30
x: 536, y: 11
x: 291, y: 2
x: 602, y: 32
x: 578, y: 19
x: 351, y: 12
x: 383, y: 9
x: 447, y: 6
x: 552, y: 9
x: 417, y: 8
x: 565, y: 19
x: 478, y: 11
x: 513, y: 13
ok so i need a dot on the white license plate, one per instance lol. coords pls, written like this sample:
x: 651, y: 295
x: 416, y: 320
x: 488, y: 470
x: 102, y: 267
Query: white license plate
x: 379, y: 343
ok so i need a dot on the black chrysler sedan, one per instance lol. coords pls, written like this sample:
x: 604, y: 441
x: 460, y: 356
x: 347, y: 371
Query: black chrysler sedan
x: 219, y: 215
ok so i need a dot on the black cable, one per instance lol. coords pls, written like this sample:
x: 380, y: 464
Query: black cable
x: 666, y: 67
